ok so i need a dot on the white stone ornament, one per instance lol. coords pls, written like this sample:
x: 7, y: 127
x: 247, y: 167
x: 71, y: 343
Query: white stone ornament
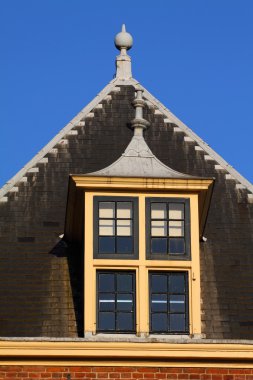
x: 123, y: 40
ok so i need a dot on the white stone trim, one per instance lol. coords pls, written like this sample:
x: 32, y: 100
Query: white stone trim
x: 216, y: 157
x: 50, y: 147
x: 188, y: 139
x: 178, y: 130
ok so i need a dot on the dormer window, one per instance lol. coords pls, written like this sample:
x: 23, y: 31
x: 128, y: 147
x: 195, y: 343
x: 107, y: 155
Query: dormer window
x: 115, y: 227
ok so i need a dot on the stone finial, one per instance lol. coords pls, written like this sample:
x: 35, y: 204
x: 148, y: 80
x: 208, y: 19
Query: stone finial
x: 123, y: 42
x: 138, y: 123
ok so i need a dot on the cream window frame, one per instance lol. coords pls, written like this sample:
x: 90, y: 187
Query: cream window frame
x: 142, y: 266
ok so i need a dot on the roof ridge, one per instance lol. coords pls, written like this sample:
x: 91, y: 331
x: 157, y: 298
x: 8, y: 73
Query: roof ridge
x: 55, y: 140
x: 166, y: 112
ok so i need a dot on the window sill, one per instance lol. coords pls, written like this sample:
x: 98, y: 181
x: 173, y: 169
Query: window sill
x: 152, y: 338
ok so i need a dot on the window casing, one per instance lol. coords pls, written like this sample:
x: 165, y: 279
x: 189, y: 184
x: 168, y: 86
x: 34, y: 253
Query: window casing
x: 168, y: 229
x: 115, y: 227
x: 168, y: 302
x: 116, y: 302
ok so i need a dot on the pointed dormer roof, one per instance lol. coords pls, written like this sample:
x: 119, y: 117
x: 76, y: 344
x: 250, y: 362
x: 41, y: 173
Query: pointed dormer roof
x: 138, y: 160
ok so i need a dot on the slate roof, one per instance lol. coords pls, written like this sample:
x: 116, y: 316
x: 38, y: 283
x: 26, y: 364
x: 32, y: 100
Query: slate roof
x: 41, y: 278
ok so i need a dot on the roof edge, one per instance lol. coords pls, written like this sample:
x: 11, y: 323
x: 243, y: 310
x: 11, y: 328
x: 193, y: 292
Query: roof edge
x: 51, y: 144
x: 166, y: 112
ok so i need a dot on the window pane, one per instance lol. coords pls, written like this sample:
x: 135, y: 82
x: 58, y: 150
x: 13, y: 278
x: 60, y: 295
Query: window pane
x: 176, y: 211
x: 106, y: 227
x: 159, y: 322
x: 158, y: 228
x: 106, y: 282
x: 106, y: 321
x: 124, y: 302
x: 124, y: 245
x: 158, y: 245
x: 106, y: 245
x: 159, y: 283
x: 158, y: 210
x: 125, y: 322
x: 177, y: 304
x: 106, y: 210
x: 176, y: 228
x: 177, y: 323
x: 124, y: 210
x: 177, y: 283
x: 125, y: 282
x: 106, y: 301
x: 177, y: 246
x: 124, y: 227
x: 159, y: 302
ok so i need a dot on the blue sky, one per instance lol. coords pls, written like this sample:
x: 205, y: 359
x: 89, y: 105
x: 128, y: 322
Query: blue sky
x: 195, y: 56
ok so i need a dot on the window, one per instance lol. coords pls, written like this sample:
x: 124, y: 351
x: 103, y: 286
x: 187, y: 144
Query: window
x: 168, y: 228
x: 115, y: 227
x: 169, y: 302
x: 115, y: 301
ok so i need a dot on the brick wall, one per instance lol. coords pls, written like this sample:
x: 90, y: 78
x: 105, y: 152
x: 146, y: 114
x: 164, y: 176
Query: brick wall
x: 23, y: 372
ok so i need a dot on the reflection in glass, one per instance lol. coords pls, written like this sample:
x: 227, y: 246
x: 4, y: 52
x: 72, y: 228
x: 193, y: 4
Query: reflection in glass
x: 124, y: 227
x: 106, y: 210
x: 176, y: 228
x: 124, y: 210
x: 176, y: 211
x: 158, y: 228
x: 158, y: 211
x: 106, y: 227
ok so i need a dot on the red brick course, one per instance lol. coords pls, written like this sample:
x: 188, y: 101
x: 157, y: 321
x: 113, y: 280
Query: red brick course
x: 25, y: 372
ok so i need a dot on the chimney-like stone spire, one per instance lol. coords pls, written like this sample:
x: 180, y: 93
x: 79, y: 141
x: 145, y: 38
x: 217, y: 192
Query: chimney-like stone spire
x: 123, y: 42
x: 138, y: 123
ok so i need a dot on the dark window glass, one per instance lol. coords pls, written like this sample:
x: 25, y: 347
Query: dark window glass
x: 115, y: 227
x: 168, y: 230
x: 169, y: 302
x: 115, y: 301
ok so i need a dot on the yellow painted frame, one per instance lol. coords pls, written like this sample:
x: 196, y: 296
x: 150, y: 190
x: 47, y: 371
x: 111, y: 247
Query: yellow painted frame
x: 142, y: 266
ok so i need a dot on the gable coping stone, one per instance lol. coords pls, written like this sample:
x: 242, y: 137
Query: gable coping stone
x: 49, y: 148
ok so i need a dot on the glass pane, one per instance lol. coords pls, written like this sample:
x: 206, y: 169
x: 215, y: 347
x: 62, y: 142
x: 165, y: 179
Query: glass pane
x: 177, y: 304
x: 176, y: 228
x: 124, y: 302
x: 124, y: 245
x: 106, y: 301
x: 159, y: 283
x: 106, y: 321
x: 106, y: 282
x: 124, y: 227
x: 125, y: 282
x: 158, y: 245
x: 158, y: 228
x: 159, y: 302
x: 125, y: 322
x: 177, y: 323
x: 176, y: 283
x: 124, y: 210
x: 106, y: 245
x: 106, y: 210
x: 159, y: 322
x: 177, y: 246
x: 106, y: 227
x: 176, y: 211
x: 158, y: 210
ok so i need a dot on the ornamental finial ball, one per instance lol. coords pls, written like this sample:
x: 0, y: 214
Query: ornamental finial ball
x: 123, y: 40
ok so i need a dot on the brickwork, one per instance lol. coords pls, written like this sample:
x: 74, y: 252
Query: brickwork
x: 126, y: 373
x: 41, y: 279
